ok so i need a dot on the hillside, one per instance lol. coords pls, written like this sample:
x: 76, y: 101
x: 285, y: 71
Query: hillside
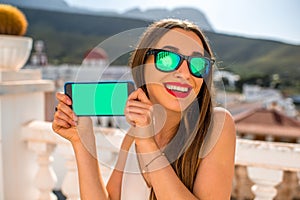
x: 68, y: 36
x: 249, y: 57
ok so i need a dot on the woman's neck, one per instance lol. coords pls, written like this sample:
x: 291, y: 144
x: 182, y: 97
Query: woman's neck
x: 169, y: 128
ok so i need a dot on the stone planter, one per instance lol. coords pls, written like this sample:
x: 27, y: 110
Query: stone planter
x: 14, y: 51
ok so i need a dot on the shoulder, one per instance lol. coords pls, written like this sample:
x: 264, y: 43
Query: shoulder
x: 222, y: 112
x: 222, y: 120
x: 222, y: 127
x: 217, y: 165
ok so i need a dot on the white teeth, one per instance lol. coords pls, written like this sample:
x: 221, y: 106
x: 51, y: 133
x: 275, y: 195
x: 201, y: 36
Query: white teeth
x: 177, y: 88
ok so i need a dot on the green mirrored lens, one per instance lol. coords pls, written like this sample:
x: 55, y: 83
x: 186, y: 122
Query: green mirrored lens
x: 198, y: 66
x: 167, y: 61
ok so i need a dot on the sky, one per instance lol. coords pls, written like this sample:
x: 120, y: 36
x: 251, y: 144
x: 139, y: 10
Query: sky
x: 268, y: 19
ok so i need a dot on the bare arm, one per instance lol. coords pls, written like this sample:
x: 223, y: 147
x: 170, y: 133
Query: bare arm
x: 82, y: 139
x: 216, y: 171
x: 214, y: 176
x: 161, y: 175
x: 90, y: 179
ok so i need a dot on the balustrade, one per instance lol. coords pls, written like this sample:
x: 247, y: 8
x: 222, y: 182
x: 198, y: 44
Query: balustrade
x: 265, y: 161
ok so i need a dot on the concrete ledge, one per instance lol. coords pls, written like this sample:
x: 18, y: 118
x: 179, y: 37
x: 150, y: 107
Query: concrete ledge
x: 23, y: 74
x: 41, y: 131
x: 268, y: 155
x: 29, y: 86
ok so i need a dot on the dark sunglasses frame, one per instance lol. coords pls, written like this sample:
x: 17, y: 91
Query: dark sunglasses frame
x: 182, y: 57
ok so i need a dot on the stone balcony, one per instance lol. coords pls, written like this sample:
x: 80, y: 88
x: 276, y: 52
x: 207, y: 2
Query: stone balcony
x: 265, y: 162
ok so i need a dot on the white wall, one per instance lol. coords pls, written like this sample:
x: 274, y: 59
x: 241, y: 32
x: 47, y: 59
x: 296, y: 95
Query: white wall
x: 21, y: 100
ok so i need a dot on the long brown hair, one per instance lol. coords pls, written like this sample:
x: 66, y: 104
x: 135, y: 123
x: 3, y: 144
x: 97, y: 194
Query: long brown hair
x: 196, y: 118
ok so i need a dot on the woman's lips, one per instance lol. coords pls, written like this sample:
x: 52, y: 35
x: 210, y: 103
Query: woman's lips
x: 177, y: 89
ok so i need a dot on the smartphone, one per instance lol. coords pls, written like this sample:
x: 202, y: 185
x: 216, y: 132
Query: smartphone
x: 99, y: 98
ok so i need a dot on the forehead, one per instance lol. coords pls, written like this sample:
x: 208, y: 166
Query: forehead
x: 185, y: 41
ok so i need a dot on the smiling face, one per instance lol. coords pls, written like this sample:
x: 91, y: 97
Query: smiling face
x: 177, y: 89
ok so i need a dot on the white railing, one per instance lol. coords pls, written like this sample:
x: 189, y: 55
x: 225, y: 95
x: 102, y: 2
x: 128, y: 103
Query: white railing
x: 40, y: 138
x: 265, y: 161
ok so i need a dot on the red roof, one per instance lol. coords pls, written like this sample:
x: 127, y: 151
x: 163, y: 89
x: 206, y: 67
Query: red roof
x: 263, y: 121
x: 96, y: 53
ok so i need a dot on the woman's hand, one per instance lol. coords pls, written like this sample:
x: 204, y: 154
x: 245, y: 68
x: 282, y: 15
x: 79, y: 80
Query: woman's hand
x: 138, y: 110
x: 139, y: 113
x: 65, y: 120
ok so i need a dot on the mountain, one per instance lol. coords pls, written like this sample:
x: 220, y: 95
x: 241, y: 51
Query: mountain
x: 58, y: 5
x: 191, y: 14
x: 69, y: 36
x: 256, y: 57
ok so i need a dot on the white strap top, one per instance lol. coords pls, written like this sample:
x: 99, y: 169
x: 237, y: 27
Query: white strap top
x: 134, y: 186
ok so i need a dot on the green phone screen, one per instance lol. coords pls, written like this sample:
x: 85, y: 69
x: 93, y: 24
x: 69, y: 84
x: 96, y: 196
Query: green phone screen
x: 99, y: 98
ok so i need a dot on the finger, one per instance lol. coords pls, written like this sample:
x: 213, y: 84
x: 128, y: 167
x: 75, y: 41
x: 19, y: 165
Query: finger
x: 62, y: 116
x: 63, y: 98
x: 137, y: 111
x: 67, y: 110
x: 138, y: 119
x: 58, y: 124
x: 139, y: 95
x: 133, y: 95
x: 134, y: 103
x: 138, y: 108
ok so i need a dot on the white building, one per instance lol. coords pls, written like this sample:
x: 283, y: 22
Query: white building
x: 269, y: 98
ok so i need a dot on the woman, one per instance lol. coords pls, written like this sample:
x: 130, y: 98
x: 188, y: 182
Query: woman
x: 183, y: 147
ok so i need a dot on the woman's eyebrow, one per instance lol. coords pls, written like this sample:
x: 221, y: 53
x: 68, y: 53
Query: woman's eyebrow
x: 175, y: 49
x: 171, y: 48
x: 197, y: 53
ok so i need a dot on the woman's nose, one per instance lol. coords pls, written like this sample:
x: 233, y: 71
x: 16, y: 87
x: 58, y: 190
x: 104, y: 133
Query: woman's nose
x: 183, y: 70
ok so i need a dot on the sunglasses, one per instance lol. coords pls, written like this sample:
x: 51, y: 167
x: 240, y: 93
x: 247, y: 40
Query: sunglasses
x: 168, y: 61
